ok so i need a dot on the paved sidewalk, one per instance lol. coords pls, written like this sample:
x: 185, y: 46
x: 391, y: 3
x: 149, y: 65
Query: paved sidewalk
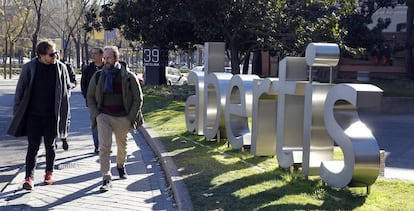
x: 78, y: 178
x: 394, y: 135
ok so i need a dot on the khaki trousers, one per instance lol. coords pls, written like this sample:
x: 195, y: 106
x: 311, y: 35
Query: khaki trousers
x: 106, y: 126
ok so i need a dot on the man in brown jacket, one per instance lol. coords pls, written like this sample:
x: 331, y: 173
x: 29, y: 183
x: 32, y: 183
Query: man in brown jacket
x: 114, y: 100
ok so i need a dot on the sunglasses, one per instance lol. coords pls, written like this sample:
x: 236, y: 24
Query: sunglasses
x: 53, y: 54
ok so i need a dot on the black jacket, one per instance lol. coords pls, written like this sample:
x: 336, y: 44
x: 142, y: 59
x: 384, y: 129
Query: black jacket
x: 87, y: 74
x: 71, y: 76
x: 23, y: 96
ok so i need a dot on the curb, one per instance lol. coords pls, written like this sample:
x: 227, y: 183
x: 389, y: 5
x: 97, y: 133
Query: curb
x: 179, y: 189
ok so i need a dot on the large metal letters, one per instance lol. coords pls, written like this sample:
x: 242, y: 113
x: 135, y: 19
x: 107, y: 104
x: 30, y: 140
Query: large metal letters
x: 195, y: 104
x: 239, y: 105
x: 297, y: 120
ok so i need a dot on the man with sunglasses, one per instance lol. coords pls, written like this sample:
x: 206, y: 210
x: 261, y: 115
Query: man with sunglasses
x: 41, y: 107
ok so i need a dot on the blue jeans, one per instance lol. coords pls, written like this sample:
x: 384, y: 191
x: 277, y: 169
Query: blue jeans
x: 95, y: 137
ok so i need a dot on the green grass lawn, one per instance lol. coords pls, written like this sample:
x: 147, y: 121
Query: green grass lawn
x: 220, y: 178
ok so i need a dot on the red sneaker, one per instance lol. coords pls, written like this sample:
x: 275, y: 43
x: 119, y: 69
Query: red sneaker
x: 48, y: 178
x: 28, y: 183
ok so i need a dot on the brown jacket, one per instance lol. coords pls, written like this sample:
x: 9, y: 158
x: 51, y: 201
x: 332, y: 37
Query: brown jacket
x: 131, y: 94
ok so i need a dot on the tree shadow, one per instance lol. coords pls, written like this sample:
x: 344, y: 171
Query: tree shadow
x: 211, y: 187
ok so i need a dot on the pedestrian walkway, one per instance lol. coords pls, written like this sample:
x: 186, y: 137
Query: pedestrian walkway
x: 394, y: 135
x: 78, y: 178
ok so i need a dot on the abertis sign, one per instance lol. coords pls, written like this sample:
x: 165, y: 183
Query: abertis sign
x: 292, y: 118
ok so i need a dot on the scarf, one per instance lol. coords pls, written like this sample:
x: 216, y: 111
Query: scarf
x: 109, y: 78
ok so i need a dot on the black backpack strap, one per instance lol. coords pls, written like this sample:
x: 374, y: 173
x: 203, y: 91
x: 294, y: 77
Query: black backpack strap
x: 97, y: 75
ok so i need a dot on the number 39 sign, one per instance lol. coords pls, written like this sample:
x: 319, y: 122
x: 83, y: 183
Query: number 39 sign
x: 154, y: 56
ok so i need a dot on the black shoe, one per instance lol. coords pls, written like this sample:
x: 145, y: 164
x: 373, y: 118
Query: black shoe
x: 65, y: 145
x: 97, y: 150
x: 28, y: 183
x: 106, y: 185
x: 122, y: 173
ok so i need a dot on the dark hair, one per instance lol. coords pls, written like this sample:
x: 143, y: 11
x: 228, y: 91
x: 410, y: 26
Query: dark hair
x: 100, y: 50
x: 43, y: 46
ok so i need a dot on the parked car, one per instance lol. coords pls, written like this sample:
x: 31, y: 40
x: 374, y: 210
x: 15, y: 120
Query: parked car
x: 14, y: 61
x: 198, y: 69
x: 201, y: 69
x: 174, y: 76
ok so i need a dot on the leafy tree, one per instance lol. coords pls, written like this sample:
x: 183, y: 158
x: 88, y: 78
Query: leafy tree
x: 311, y: 21
x: 244, y: 25
x: 284, y: 27
x: 360, y: 36
x: 161, y: 23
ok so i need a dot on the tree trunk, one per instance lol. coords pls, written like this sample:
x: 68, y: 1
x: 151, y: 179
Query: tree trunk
x: 235, y: 61
x: 190, y: 59
x: 409, y: 41
x: 246, y: 63
x: 38, y: 6
x: 34, y: 42
x: 11, y: 55
x: 78, y: 49
x: 5, y: 58
x: 85, y: 52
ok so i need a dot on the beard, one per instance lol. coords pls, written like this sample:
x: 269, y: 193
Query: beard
x: 109, y: 65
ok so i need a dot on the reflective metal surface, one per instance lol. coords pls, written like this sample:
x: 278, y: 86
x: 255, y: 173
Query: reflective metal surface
x: 290, y: 116
x: 298, y: 121
x: 293, y: 69
x: 264, y: 116
x: 214, y: 57
x: 194, y: 106
x: 360, y: 149
x: 216, y: 86
x: 317, y: 144
x: 322, y: 54
x: 239, y: 103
